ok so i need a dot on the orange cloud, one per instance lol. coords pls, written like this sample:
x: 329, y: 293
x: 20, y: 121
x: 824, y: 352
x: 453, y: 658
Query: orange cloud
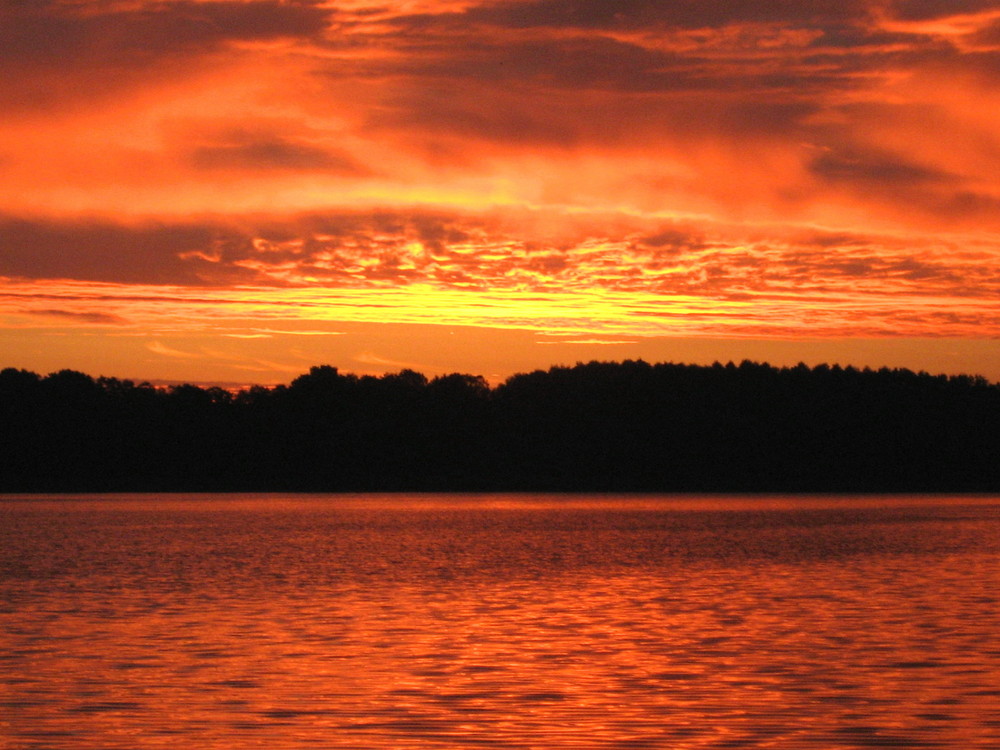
x: 606, y: 170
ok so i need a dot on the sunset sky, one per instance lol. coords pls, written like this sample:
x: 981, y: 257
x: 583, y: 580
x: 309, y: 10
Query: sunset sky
x: 232, y: 191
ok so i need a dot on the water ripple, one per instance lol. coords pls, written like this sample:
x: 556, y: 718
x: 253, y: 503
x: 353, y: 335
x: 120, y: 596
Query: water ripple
x: 460, y: 623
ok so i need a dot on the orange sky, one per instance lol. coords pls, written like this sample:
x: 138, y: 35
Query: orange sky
x: 235, y: 190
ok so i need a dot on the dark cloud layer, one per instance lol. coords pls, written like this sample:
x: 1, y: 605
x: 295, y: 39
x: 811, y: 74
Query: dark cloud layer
x: 592, y: 73
x: 53, y: 33
x: 93, y: 318
x: 272, y: 154
x: 870, y: 168
x: 55, y: 53
x: 837, y: 18
x: 645, y: 14
x: 98, y: 251
x: 922, y: 10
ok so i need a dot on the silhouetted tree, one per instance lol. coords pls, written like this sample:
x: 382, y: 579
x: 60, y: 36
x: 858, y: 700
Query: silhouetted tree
x: 595, y: 426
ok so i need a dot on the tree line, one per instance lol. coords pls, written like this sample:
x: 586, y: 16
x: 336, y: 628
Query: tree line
x: 599, y: 426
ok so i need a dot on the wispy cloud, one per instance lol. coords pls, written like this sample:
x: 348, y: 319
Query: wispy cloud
x: 77, y: 316
x: 266, y: 333
x: 159, y: 348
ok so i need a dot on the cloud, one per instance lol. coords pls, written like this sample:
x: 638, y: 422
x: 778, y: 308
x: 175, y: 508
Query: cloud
x: 271, y: 332
x: 588, y: 341
x: 275, y: 153
x: 98, y: 251
x: 643, y: 14
x: 158, y: 348
x: 47, y: 32
x: 922, y: 10
x: 491, y: 253
x: 116, y: 46
x: 871, y: 168
x: 102, y: 250
x: 515, y: 102
x: 97, y: 318
x: 769, y: 165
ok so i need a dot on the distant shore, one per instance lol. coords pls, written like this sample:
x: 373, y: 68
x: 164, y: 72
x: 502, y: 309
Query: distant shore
x: 625, y: 426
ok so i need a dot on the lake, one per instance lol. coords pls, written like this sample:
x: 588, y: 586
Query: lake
x: 514, y: 621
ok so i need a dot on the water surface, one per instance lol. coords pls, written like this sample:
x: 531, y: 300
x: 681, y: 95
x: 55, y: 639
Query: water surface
x: 499, y: 621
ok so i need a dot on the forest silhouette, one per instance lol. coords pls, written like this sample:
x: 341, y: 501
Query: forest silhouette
x: 600, y: 426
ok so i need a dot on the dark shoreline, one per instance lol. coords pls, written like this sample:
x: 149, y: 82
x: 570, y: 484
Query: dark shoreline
x: 614, y: 427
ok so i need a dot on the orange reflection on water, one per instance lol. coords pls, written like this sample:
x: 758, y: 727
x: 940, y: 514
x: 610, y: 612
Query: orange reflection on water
x: 509, y: 620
